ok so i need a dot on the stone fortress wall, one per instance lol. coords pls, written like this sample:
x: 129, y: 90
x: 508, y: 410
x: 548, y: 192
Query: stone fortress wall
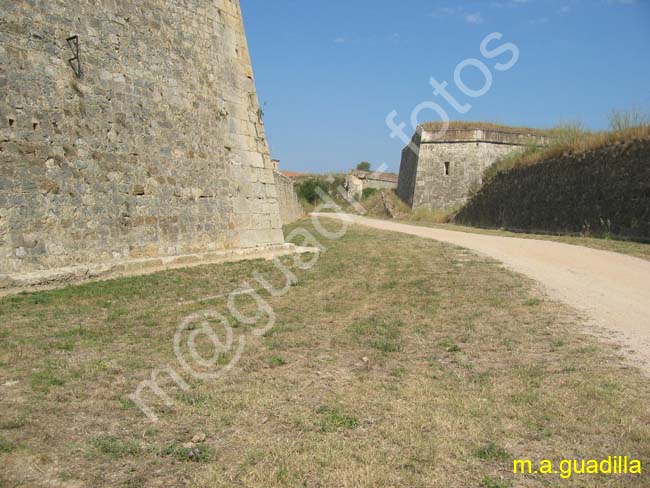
x: 357, y: 180
x: 150, y: 143
x: 290, y: 207
x: 446, y: 170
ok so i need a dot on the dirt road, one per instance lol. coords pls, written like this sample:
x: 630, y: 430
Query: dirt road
x: 612, y: 289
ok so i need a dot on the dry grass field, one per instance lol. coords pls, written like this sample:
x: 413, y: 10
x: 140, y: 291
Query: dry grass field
x: 395, y: 361
x: 572, y: 138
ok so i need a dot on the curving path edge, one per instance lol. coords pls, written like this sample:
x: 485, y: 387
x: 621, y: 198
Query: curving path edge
x: 612, y: 289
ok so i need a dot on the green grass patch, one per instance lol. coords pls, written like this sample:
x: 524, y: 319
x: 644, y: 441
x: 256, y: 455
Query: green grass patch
x: 398, y: 372
x: 196, y: 454
x: 489, y: 482
x: 126, y: 404
x: 43, y: 380
x: 368, y: 192
x: 333, y: 419
x: 114, y: 447
x: 383, y: 335
x: 6, y: 446
x: 277, y: 361
x: 492, y: 452
x: 12, y: 424
x: 449, y: 345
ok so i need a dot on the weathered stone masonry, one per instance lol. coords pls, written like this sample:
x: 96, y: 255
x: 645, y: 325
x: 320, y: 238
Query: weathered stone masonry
x: 356, y: 181
x: 290, y: 207
x: 445, y: 171
x: 156, y: 150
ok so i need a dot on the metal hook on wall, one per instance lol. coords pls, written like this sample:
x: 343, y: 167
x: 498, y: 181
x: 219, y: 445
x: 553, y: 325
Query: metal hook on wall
x: 75, y: 62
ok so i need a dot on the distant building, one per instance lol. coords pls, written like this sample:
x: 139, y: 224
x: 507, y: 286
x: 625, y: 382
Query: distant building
x: 446, y: 168
x: 357, y: 181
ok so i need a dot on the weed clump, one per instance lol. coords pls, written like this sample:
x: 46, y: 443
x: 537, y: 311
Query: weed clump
x: 333, y: 419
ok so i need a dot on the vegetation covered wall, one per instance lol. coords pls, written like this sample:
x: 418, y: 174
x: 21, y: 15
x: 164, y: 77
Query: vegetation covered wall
x: 602, y: 192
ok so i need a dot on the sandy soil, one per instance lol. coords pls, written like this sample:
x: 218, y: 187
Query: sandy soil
x: 613, y: 290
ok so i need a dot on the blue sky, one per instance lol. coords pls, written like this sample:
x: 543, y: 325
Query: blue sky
x: 328, y: 72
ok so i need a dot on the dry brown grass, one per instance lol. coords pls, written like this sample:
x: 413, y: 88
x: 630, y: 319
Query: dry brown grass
x: 396, y: 361
x: 568, y: 139
x: 432, y: 216
x: 462, y: 125
x: 374, y: 206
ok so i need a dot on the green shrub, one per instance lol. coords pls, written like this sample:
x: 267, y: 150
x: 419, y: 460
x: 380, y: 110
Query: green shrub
x: 363, y: 166
x: 368, y: 192
x: 333, y: 188
x: 307, y: 190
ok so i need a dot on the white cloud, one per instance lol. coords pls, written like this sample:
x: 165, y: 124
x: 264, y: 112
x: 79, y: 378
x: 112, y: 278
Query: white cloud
x: 508, y: 3
x: 469, y: 17
x: 623, y: 2
x: 445, y: 11
x: 541, y: 20
x: 339, y: 40
x: 565, y: 9
x: 475, y: 18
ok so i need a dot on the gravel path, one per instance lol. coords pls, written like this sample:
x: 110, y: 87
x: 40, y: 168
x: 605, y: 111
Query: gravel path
x: 612, y: 289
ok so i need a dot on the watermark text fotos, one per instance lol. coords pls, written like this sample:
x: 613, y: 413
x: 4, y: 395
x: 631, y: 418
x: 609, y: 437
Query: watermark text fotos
x: 489, y: 52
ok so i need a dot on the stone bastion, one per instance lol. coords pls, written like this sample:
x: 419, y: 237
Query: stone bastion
x: 129, y: 131
x: 439, y: 170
